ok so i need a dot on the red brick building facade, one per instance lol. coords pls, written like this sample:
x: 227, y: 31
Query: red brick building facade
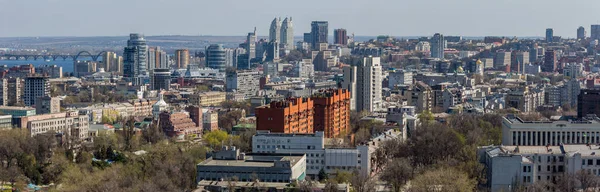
x: 293, y: 115
x: 332, y: 112
x: 178, y: 123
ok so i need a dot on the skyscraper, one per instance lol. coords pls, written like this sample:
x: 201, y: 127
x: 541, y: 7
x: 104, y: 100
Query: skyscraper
x: 437, y: 46
x: 135, y: 59
x: 364, y: 83
x: 182, y: 58
x: 275, y: 30
x: 340, y: 37
x: 581, y: 33
x: 215, y: 57
x: 272, y: 51
x: 35, y: 87
x: 251, y: 45
x: 110, y: 62
x: 287, y: 34
x: 595, y: 32
x: 549, y: 61
x: 319, y: 33
x: 549, y: 35
x: 157, y: 59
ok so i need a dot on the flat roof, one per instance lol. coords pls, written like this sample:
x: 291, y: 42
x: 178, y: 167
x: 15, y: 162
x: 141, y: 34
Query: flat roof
x: 584, y: 150
x: 258, y: 160
x: 16, y: 108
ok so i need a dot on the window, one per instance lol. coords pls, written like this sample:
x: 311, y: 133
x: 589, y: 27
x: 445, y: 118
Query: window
x: 590, y: 162
x: 583, y: 162
x: 561, y: 159
x: 524, y: 169
x: 258, y: 146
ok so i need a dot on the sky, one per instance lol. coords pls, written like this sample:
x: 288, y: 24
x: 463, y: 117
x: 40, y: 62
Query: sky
x: 31, y: 18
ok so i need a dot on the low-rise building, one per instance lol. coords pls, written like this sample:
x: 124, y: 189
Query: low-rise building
x: 17, y: 111
x: 229, y: 162
x: 5, y: 122
x: 516, y: 131
x: 67, y: 123
x: 178, y: 123
x: 208, y: 99
x: 210, y: 120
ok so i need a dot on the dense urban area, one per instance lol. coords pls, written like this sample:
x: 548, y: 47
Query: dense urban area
x: 321, y: 112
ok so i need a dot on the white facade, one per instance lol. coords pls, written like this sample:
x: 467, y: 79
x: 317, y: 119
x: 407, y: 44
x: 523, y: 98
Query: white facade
x: 364, y: 83
x: 400, y: 77
x: 573, y: 70
x: 287, y: 34
x: 423, y: 46
x: 515, y: 131
x: 275, y: 30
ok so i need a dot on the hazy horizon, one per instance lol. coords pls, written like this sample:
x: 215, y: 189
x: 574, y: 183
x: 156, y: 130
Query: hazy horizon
x: 472, y: 18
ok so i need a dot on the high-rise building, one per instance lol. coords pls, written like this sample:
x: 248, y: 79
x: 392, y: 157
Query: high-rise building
x: 340, y: 37
x: 307, y: 37
x: 47, y: 104
x: 272, y: 51
x: 3, y: 92
x: 110, y: 62
x: 502, y: 59
x: 135, y: 60
x: 251, y: 46
x: 581, y: 33
x: 319, y: 33
x: 287, y: 34
x: 52, y: 71
x: 182, y: 58
x: 519, y: 60
x: 587, y: 103
x: 243, y: 81
x: 550, y: 62
x: 15, y: 91
x: 161, y: 79
x: 215, y: 57
x: 157, y: 59
x: 35, y: 87
x: 595, y: 32
x: 275, y: 30
x: 364, y: 83
x: 294, y: 115
x: 332, y: 112
x: 549, y: 35
x: 438, y: 44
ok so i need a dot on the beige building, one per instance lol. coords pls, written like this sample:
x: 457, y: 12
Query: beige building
x: 45, y: 105
x: 210, y: 120
x: 142, y: 107
x: 525, y: 100
x: 207, y: 99
x: 69, y: 123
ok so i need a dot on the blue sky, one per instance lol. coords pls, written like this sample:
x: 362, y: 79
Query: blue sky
x: 237, y: 17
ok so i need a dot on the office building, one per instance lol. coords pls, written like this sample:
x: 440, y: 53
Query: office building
x: 161, y: 79
x: 502, y: 59
x: 35, y: 87
x: 364, y: 83
x: 250, y: 48
x: 294, y: 115
x: 550, y: 62
x: 215, y: 57
x: 70, y: 123
x: 178, y: 123
x: 549, y: 35
x: 46, y: 105
x: 245, y: 82
x: 527, y: 165
x: 275, y: 30
x: 516, y: 131
x: 319, y: 33
x: 182, y: 58
x: 287, y: 34
x: 208, y: 99
x: 272, y: 51
x: 587, y: 103
x: 229, y: 162
x: 438, y: 44
x: 340, y: 37
x: 157, y: 59
x: 399, y: 78
x: 581, y: 33
x: 595, y: 32
x: 135, y: 60
x: 17, y: 111
x: 332, y: 112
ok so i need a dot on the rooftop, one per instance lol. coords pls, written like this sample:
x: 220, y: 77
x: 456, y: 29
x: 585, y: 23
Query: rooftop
x: 256, y: 160
x: 570, y: 150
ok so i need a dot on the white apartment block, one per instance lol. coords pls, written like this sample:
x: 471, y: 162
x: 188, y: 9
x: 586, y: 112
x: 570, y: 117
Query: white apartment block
x: 364, y: 83
x: 517, y: 132
x: 511, y: 165
x: 318, y: 155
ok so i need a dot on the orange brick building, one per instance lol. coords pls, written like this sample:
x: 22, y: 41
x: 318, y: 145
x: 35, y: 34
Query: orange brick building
x: 332, y: 112
x: 293, y: 115
x: 327, y: 111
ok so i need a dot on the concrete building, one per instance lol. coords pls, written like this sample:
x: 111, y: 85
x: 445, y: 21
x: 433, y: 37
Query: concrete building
x: 340, y: 37
x: 532, y: 69
x: 15, y: 91
x: 84, y: 68
x: 304, y: 69
x: 47, y: 104
x: 564, y: 94
x: 272, y: 51
x: 67, y: 123
x: 581, y: 32
x: 419, y: 95
x: 399, y: 77
x: 525, y: 99
x: 157, y: 59
x: 250, y: 49
x: 5, y: 122
x: 161, y: 79
x: 245, y: 82
x: 35, y: 87
x: 178, y: 123
x: 182, y: 58
x: 550, y: 62
x: 423, y: 46
x: 364, y: 83
x: 527, y: 165
x: 196, y: 115
x: 322, y: 60
x: 135, y: 60
x: 587, y: 103
x: 319, y: 33
x: 549, y: 35
x: 287, y: 34
x: 215, y: 57
x: 4, y: 92
x: 109, y: 62
x: 332, y: 112
x: 275, y: 30
x: 17, y: 111
x: 210, y: 120
x: 516, y: 131
x: 438, y: 45
x: 595, y: 32
x: 294, y: 115
x: 208, y: 99
x: 573, y: 70
x: 229, y: 162
x: 502, y: 59
x: 52, y: 71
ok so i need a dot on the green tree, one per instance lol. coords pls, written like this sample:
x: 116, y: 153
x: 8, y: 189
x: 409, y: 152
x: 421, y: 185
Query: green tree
x: 443, y: 179
x: 322, y: 175
x: 215, y: 139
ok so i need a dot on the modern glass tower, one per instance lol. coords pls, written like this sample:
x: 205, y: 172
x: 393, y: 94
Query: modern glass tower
x: 215, y: 57
x: 135, y: 60
x: 437, y: 46
x: 319, y: 33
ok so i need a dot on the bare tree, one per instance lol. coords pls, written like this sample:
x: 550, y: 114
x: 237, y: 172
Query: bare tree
x: 362, y: 183
x: 397, y: 173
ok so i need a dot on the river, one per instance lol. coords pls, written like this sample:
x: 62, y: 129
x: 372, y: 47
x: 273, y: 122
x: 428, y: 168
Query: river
x: 67, y: 65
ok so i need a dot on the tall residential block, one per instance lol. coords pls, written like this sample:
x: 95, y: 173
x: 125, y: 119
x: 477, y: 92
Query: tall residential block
x: 287, y: 34
x: 332, y: 112
x: 215, y: 57
x: 182, y: 58
x: 275, y: 30
x: 581, y: 33
x: 550, y: 62
x: 595, y: 32
x: 35, y: 87
x: 340, y: 37
x: 364, y: 82
x: 549, y: 35
x: 319, y: 33
x: 3, y: 92
x: 438, y: 44
x: 293, y: 115
x: 502, y: 59
x: 251, y: 47
x: 15, y: 91
x: 46, y: 105
x: 157, y: 59
x: 135, y: 60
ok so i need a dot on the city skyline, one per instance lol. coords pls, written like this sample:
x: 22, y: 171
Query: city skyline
x: 358, y: 17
